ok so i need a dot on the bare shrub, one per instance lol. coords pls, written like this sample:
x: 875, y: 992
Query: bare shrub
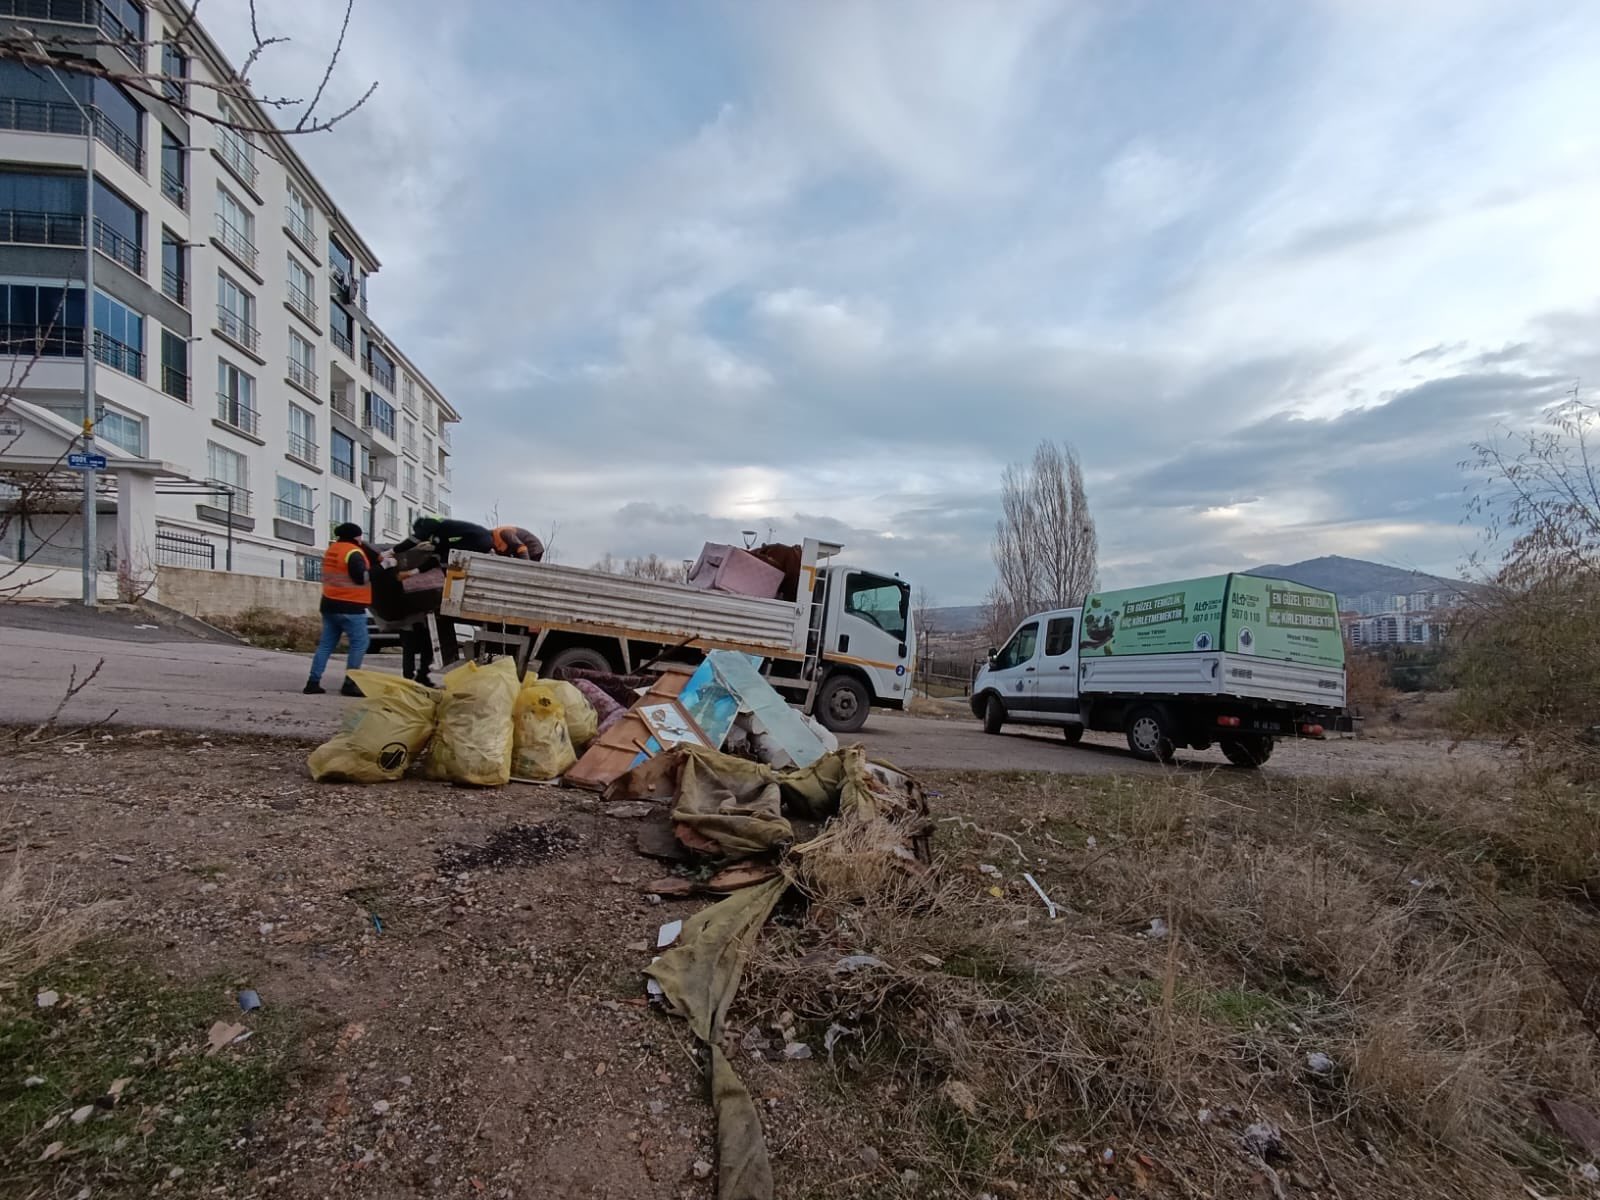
x: 271, y: 629
x: 38, y: 925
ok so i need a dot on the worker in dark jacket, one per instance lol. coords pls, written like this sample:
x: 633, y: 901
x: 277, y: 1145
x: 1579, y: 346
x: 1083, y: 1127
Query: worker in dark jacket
x: 513, y: 541
x: 448, y: 535
x: 346, y: 596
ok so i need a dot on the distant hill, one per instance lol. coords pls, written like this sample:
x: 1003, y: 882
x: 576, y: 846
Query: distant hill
x: 962, y: 619
x: 1351, y: 577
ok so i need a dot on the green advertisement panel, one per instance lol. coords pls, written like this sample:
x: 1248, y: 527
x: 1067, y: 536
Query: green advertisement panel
x: 1172, y: 618
x: 1285, y: 621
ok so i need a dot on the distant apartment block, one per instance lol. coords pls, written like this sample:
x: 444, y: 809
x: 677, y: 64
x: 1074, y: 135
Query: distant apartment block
x: 233, y: 326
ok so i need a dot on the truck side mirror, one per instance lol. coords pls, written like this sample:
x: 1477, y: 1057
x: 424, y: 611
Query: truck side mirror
x: 992, y: 653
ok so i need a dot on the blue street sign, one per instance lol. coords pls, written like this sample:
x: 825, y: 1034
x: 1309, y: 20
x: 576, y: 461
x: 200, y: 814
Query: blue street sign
x: 86, y: 462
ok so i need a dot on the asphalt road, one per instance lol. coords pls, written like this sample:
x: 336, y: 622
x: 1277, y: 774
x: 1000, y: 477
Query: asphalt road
x: 181, y: 675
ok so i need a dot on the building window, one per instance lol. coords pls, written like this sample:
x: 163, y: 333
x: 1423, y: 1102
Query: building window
x: 118, y: 336
x: 236, y: 398
x: 122, y: 21
x: 295, y: 502
x: 122, y: 430
x: 118, y: 229
x: 236, y: 228
x: 39, y: 209
x: 302, y: 291
x: 236, y: 313
x: 391, y: 515
x: 429, y: 461
x: 302, y: 435
x: 175, y: 365
x: 379, y: 365
x: 175, y: 70
x: 174, y: 169
x: 238, y: 152
x: 231, y: 470
x: 46, y: 321
x: 300, y: 218
x: 174, y: 267
x: 341, y: 326
x: 379, y: 414
x: 340, y: 265
x: 339, y: 509
x: 409, y: 487
x: 119, y: 123
x: 408, y: 435
x: 302, y: 363
x: 343, y: 451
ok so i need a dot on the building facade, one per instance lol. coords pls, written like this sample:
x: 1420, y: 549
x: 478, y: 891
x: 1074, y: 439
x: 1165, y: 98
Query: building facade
x: 233, y: 330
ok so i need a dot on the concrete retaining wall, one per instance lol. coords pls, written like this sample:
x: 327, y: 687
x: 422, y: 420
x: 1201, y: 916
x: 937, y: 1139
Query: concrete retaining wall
x: 203, y: 593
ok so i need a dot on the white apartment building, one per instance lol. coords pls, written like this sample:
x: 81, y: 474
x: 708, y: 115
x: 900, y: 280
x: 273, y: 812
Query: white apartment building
x: 233, y: 339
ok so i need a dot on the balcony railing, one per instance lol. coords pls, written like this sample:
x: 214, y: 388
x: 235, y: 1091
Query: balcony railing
x: 21, y: 228
x: 302, y: 303
x: 383, y: 423
x: 444, y: 437
x: 447, y: 475
x: 67, y: 12
x: 126, y: 40
x: 236, y: 414
x: 345, y: 470
x: 44, y: 341
x: 298, y: 513
x: 118, y: 355
x: 236, y: 328
x: 344, y: 406
x: 174, y: 189
x: 380, y: 373
x: 410, y: 446
x: 121, y: 143
x: 117, y: 248
x: 408, y: 398
x: 303, y: 448
x: 175, y: 383
x: 242, y: 500
x: 238, y: 155
x: 342, y: 340
x: 235, y: 243
x: 298, y: 227
x: 302, y: 375
x: 174, y: 286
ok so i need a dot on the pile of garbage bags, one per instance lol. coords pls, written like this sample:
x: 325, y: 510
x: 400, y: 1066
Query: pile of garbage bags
x: 480, y: 727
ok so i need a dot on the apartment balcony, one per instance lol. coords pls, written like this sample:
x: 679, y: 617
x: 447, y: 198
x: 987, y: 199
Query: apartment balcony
x: 345, y: 470
x: 298, y: 513
x: 377, y: 423
x: 444, y: 437
x: 65, y: 117
x: 408, y: 398
x: 127, y: 41
x: 232, y: 239
x: 234, y: 414
x: 119, y: 249
x: 42, y: 341
x: 238, y: 155
x: 302, y: 376
x: 381, y: 374
x: 342, y: 341
x: 409, y: 445
x: 174, y: 286
x: 174, y: 189
x: 19, y: 227
x: 118, y: 355
x: 243, y: 503
x: 447, y: 475
x: 299, y: 230
x: 236, y: 329
x: 175, y: 383
x: 300, y: 302
x: 345, y: 407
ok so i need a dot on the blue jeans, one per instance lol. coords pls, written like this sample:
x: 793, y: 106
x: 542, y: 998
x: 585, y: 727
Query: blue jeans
x: 334, y: 625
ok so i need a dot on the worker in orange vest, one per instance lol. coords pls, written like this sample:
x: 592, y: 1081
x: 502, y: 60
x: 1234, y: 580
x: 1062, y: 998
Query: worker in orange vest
x: 346, y: 595
x: 512, y: 541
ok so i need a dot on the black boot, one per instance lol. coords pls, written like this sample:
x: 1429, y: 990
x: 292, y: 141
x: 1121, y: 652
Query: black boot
x: 350, y: 689
x: 313, y: 688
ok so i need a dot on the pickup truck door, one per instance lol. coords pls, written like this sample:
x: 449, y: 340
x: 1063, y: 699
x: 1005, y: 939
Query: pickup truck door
x: 1057, y: 686
x: 1014, y: 673
x: 871, y: 629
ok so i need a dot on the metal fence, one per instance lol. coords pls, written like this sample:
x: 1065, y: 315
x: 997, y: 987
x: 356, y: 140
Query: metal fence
x: 179, y: 550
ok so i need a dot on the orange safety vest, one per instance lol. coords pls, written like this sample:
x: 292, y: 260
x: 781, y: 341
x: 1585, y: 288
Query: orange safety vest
x: 502, y: 547
x: 336, y: 581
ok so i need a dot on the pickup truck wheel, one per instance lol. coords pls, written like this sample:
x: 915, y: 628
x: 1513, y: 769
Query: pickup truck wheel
x: 582, y: 657
x: 1148, y: 735
x: 1249, y: 752
x: 1073, y: 734
x: 842, y: 704
x: 994, y: 715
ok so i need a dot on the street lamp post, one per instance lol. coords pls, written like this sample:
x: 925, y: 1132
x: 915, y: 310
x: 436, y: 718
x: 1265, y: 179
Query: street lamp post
x: 376, y: 487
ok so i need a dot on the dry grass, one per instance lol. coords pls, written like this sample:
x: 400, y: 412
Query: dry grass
x: 37, y: 925
x: 272, y: 630
x: 997, y: 1050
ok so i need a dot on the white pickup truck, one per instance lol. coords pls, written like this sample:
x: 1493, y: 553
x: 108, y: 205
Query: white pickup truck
x: 842, y: 646
x: 1234, y: 661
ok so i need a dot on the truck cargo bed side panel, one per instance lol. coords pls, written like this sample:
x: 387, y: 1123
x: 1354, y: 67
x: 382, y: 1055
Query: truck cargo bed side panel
x: 481, y: 587
x: 1242, y: 675
x: 1293, y: 683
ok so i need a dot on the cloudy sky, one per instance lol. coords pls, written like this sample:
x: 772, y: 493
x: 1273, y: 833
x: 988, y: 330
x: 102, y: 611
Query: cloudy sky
x: 693, y: 268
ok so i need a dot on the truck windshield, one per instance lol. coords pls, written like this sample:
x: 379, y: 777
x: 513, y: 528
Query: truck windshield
x: 883, y: 602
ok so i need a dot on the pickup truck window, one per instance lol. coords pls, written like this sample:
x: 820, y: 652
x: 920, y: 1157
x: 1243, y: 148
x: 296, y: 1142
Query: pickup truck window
x: 1020, y: 648
x: 1058, y: 637
x: 883, y: 602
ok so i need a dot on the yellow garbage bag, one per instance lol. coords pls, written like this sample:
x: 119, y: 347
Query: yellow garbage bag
x: 382, y: 734
x: 583, y: 723
x: 542, y: 746
x: 472, y: 739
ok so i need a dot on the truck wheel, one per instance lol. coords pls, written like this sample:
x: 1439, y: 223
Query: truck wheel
x: 1072, y: 733
x: 582, y: 657
x: 1149, y: 736
x: 1247, y: 752
x: 994, y: 715
x: 842, y: 703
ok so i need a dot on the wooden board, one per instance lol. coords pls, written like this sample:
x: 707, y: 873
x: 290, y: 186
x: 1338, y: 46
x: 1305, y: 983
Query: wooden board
x: 615, y: 751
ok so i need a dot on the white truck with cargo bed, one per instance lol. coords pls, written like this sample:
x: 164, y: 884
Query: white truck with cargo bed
x: 1235, y: 661
x: 843, y: 645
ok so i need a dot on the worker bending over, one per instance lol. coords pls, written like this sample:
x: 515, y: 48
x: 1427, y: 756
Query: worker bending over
x: 513, y: 541
x: 447, y: 535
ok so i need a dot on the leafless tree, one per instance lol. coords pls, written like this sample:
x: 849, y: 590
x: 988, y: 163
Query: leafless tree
x: 650, y: 566
x: 1045, y: 548
x: 72, y: 53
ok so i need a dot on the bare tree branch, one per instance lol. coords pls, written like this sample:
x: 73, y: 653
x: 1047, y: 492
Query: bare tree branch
x: 1046, y: 552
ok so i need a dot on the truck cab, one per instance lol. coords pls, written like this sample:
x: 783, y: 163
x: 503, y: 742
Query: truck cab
x: 867, y: 645
x: 1033, y: 678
